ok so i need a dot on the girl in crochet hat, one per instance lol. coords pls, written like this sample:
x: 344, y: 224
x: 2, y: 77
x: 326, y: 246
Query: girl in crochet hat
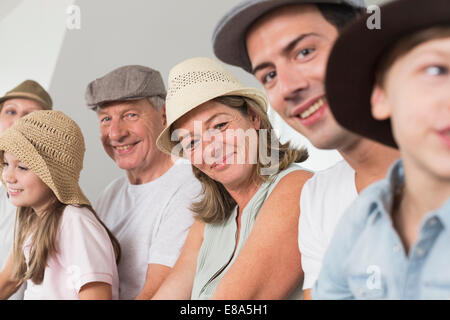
x: 25, y: 98
x: 61, y: 248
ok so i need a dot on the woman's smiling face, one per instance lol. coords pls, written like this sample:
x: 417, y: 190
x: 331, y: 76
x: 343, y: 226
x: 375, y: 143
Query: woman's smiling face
x: 221, y: 141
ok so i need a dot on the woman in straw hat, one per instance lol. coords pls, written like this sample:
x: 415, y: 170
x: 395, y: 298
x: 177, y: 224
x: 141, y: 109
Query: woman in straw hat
x: 25, y: 98
x: 243, y: 244
x: 61, y: 249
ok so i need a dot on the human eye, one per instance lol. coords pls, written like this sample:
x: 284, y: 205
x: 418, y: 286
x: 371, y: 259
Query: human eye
x: 131, y: 115
x: 22, y: 167
x: 268, y: 77
x: 304, y: 53
x: 220, y: 125
x: 5, y: 164
x: 105, y: 119
x: 436, y: 70
x: 10, y: 112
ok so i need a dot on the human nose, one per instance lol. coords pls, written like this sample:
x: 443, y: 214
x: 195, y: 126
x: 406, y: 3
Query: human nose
x: 212, y: 146
x: 291, y: 81
x: 8, y: 175
x: 117, y: 130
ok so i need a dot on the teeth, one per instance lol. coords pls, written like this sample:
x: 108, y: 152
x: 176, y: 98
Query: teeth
x: 14, y: 190
x: 316, y: 106
x: 124, y: 147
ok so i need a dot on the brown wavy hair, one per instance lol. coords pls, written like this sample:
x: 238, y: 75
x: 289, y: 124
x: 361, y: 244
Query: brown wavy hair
x: 43, y: 230
x: 216, y: 203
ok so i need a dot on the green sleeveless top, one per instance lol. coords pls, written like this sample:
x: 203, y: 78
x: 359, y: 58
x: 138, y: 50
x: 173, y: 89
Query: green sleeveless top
x: 219, y: 240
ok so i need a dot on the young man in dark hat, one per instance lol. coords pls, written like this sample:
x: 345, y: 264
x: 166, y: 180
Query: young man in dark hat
x: 285, y: 44
x: 27, y: 97
x: 393, y: 242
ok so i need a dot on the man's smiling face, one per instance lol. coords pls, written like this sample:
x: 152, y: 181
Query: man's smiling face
x: 288, y: 50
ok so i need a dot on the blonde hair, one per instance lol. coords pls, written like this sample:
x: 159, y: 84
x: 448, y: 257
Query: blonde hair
x: 216, y: 203
x: 43, y: 230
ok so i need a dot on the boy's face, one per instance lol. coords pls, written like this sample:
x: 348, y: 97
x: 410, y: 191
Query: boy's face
x: 416, y: 97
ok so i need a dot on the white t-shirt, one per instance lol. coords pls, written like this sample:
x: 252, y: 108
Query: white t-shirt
x: 324, y: 199
x: 84, y: 254
x: 150, y: 220
x: 7, y: 220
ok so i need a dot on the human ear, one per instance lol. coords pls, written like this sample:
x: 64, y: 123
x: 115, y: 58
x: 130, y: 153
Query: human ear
x: 379, y: 104
x: 254, y: 118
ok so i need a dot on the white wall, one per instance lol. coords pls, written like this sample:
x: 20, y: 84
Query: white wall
x: 157, y: 33
x: 31, y: 35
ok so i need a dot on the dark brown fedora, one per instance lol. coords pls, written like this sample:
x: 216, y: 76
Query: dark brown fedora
x: 355, y: 55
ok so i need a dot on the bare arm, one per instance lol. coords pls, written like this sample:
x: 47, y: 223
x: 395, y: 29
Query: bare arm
x: 156, y: 274
x: 95, y: 291
x: 8, y: 286
x: 269, y: 264
x: 179, y: 283
x: 307, y: 294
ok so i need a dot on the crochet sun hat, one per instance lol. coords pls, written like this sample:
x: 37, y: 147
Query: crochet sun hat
x: 196, y: 81
x: 52, y: 146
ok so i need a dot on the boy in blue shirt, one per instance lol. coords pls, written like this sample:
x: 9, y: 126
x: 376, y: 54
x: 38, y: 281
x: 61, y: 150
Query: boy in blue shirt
x: 393, y: 85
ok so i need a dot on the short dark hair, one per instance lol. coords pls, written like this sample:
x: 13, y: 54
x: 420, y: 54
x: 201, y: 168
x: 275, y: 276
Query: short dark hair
x: 403, y: 46
x: 339, y: 15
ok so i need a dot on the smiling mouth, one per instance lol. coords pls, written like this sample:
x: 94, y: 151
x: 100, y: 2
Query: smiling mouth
x: 312, y: 109
x: 124, y: 148
x: 14, y: 191
x: 217, y: 165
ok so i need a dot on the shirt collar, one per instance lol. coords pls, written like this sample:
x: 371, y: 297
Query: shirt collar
x: 443, y: 214
x: 383, y: 201
x: 383, y: 196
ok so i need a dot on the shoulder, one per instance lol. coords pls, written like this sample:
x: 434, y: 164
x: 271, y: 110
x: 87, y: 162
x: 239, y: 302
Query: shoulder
x: 332, y: 175
x: 358, y: 214
x: 115, y: 185
x: 331, y: 183
x: 293, y: 177
x: 180, y: 181
x: 79, y: 218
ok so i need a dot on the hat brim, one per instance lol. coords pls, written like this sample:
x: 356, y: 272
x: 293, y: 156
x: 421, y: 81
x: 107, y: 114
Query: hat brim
x: 24, y: 95
x: 354, y: 58
x: 229, y: 37
x: 12, y: 141
x: 164, y: 142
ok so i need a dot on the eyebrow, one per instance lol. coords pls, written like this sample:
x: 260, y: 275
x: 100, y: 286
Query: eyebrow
x: 205, y: 122
x: 288, y: 48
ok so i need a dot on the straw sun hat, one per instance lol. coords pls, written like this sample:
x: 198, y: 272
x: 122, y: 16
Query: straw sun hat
x: 52, y: 146
x: 196, y: 81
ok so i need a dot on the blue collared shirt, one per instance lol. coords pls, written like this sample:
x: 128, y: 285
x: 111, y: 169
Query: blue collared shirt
x: 366, y: 258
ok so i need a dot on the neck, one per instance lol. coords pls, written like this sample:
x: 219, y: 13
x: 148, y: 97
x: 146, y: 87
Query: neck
x: 158, y: 167
x: 370, y: 160
x: 423, y: 192
x: 242, y: 194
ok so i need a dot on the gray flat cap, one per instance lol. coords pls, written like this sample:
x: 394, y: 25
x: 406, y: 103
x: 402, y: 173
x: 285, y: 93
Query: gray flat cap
x: 230, y: 33
x: 125, y: 84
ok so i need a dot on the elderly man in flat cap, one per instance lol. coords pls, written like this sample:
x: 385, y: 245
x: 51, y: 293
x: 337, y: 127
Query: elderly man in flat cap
x: 27, y: 97
x: 285, y: 44
x: 148, y: 209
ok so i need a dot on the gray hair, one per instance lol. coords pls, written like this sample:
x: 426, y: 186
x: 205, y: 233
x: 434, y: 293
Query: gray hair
x: 157, y: 102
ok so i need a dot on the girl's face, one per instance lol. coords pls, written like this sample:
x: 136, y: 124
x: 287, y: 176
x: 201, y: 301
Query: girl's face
x: 25, y: 188
x: 14, y: 109
x: 221, y: 141
x: 416, y: 97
